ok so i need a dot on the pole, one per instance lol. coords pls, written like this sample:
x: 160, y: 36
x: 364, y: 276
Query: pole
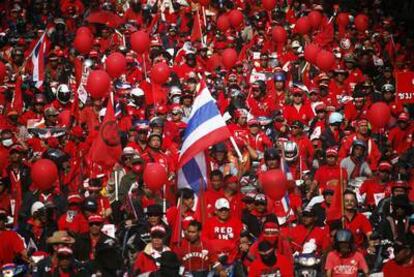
x: 341, y: 189
x: 144, y: 66
x: 202, y: 203
x: 116, y: 185
x: 164, y: 198
x: 180, y: 219
x: 236, y: 148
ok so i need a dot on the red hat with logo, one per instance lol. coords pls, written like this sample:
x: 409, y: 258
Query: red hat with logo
x: 384, y: 166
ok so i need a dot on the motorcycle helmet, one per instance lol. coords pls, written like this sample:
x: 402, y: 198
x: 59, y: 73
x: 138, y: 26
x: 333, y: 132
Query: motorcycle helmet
x: 291, y: 151
x: 63, y: 94
x: 90, y: 205
x: 156, y: 122
x: 344, y: 236
x: 387, y: 87
x: 279, y: 77
x: 335, y: 118
x: 360, y: 143
x: 271, y: 154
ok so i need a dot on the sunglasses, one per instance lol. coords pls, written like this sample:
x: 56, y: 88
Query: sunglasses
x: 321, y: 111
x: 95, y: 224
x: 297, y: 95
x: 224, y: 210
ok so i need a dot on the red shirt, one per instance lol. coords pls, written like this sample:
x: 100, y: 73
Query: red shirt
x: 282, y: 266
x: 326, y: 173
x: 75, y: 223
x: 304, y: 114
x: 195, y: 257
x: 345, y: 267
x: 373, y: 189
x: 359, y: 226
x: 391, y: 269
x: 401, y: 140
x: 299, y: 235
x: 11, y: 245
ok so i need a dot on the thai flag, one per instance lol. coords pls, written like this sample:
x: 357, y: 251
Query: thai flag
x: 38, y: 60
x: 285, y: 201
x: 205, y: 127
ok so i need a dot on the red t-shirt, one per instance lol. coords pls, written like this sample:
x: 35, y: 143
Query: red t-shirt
x: 326, y: 173
x: 11, y: 245
x: 195, y: 257
x: 282, y: 266
x: 373, y: 189
x: 391, y: 268
x: 299, y: 235
x: 345, y: 267
x: 359, y: 226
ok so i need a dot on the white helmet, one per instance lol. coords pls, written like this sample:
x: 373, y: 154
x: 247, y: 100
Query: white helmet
x: 335, y: 118
x: 63, y: 93
x: 291, y: 151
x: 137, y: 92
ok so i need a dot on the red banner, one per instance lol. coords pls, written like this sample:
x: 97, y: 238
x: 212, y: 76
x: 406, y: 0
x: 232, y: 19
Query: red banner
x: 405, y: 87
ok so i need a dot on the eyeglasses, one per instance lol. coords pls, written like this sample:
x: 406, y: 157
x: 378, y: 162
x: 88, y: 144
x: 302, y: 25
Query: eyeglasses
x: 297, y: 95
x: 223, y: 210
x: 95, y: 224
x: 321, y: 111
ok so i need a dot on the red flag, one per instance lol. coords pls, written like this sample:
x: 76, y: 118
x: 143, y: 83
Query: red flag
x: 334, y: 211
x: 106, y: 148
x: 196, y: 32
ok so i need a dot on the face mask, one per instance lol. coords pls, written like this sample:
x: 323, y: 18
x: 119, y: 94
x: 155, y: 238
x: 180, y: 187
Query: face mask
x: 7, y: 142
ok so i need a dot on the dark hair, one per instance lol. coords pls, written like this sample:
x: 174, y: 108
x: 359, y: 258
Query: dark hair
x: 264, y: 246
x: 196, y: 224
x: 186, y: 193
x: 348, y: 191
x: 216, y: 172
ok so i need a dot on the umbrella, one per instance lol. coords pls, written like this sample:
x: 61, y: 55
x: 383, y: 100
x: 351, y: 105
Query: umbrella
x: 105, y: 17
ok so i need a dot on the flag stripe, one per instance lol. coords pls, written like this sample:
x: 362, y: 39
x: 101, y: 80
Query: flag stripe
x: 192, y: 171
x: 210, y: 138
x: 202, y: 115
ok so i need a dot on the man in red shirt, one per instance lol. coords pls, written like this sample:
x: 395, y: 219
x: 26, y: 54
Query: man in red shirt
x: 403, y: 262
x: 195, y: 254
x: 330, y: 171
x: 375, y: 188
x: 214, y: 191
x: 344, y: 261
x: 269, y: 263
x: 401, y: 136
x: 223, y: 230
x: 12, y: 245
x: 354, y: 221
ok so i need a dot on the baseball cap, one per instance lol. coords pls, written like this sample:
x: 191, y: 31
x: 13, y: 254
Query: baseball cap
x: 260, y: 198
x: 384, y: 166
x: 222, y: 203
x: 332, y: 151
x: 36, y: 207
x: 64, y: 250
x: 403, y: 117
x: 158, y: 231
x: 74, y: 198
x: 95, y: 219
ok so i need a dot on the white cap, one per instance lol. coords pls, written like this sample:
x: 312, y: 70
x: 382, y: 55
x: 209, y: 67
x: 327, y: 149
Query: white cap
x: 102, y: 112
x: 128, y: 151
x: 137, y: 92
x: 36, y: 206
x: 295, y: 44
x: 222, y: 203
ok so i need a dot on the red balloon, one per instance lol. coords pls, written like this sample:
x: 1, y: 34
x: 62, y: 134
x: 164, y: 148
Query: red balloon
x: 379, y: 114
x: 83, y: 30
x: 140, y: 41
x: 223, y: 23
x: 274, y: 183
x: 44, y: 174
x: 2, y: 71
x: 361, y: 22
x: 116, y: 64
x: 236, y: 18
x: 311, y: 52
x: 229, y: 58
x: 83, y: 42
x: 204, y: 2
x: 279, y: 34
x: 160, y: 73
x: 315, y: 19
x: 303, y: 25
x: 342, y: 19
x: 155, y: 176
x: 98, y: 84
x: 269, y: 4
x: 325, y: 60
x: 213, y: 62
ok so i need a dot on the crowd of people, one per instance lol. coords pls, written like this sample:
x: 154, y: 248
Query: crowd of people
x: 283, y: 111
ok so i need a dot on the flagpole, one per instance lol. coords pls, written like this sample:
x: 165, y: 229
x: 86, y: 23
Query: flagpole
x: 202, y: 203
x: 342, y: 197
x: 180, y: 219
x: 236, y: 148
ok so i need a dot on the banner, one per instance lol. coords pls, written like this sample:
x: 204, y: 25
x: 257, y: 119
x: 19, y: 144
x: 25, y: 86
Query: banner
x: 405, y: 87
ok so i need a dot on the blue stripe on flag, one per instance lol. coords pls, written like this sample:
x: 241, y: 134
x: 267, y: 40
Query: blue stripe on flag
x: 193, y: 174
x: 203, y: 114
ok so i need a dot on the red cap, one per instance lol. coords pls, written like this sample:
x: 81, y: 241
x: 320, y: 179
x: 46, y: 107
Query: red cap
x: 270, y: 229
x: 403, y: 117
x: 320, y: 107
x: 384, y: 165
x: 332, y: 151
x: 253, y: 121
x: 74, y: 198
x: 363, y: 122
x: 162, y: 109
x: 95, y: 219
x: 158, y: 229
x: 400, y: 184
